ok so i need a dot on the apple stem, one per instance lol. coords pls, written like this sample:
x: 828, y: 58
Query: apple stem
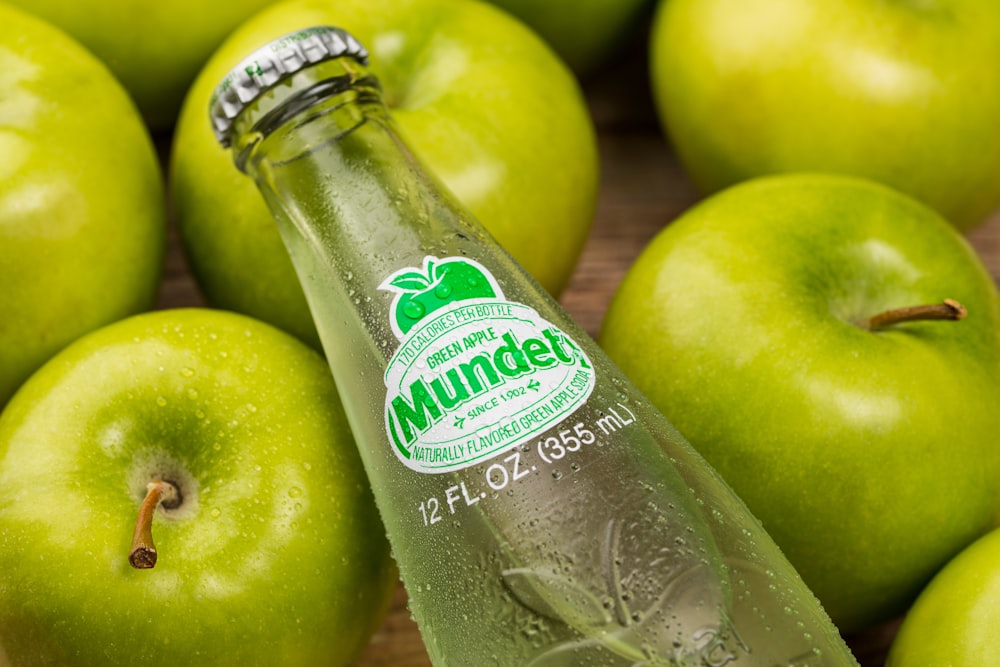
x: 142, y: 556
x: 949, y: 309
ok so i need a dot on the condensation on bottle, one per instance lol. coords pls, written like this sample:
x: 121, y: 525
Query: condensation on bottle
x: 540, y: 511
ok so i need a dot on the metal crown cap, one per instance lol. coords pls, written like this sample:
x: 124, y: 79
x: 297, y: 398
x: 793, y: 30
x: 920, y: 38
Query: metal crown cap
x: 273, y: 63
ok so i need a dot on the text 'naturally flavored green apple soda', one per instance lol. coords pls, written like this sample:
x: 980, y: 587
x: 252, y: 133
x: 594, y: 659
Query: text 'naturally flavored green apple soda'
x: 540, y: 511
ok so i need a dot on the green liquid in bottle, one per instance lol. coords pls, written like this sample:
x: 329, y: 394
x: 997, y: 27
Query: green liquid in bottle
x: 540, y: 510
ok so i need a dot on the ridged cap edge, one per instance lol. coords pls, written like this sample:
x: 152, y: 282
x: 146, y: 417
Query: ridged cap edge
x: 273, y: 63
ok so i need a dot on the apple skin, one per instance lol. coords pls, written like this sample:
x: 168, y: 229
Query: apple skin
x: 482, y: 100
x: 154, y: 48
x: 277, y: 554
x: 954, y: 621
x: 585, y: 33
x: 906, y: 93
x: 869, y: 457
x: 82, y: 214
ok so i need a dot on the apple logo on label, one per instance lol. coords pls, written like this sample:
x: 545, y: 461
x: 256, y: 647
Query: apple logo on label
x: 440, y: 282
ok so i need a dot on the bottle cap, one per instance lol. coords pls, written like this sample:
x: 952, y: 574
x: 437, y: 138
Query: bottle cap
x: 273, y: 63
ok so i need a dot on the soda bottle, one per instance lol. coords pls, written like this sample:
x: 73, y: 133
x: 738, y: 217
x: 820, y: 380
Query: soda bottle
x: 541, y: 512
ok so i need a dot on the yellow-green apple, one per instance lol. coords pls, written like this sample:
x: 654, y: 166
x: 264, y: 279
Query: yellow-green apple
x: 954, y: 621
x: 82, y: 216
x: 266, y: 546
x: 491, y: 111
x: 906, y: 93
x: 154, y: 48
x: 766, y: 324
x: 585, y: 33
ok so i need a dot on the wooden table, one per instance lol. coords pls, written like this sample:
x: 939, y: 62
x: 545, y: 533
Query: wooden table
x: 642, y: 190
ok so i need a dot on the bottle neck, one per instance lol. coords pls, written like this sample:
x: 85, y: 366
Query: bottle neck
x: 327, y: 157
x: 281, y: 124
x: 351, y: 201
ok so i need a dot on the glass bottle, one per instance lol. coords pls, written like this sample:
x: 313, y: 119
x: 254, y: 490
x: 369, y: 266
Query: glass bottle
x: 540, y: 510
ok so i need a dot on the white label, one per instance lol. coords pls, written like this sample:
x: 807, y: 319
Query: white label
x: 474, y: 374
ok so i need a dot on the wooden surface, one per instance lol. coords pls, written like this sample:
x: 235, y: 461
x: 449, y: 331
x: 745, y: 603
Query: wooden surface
x: 642, y: 190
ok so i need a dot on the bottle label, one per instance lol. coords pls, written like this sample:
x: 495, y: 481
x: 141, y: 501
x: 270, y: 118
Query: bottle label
x: 474, y: 374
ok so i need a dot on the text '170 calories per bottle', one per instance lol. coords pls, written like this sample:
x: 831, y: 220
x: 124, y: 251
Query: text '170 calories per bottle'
x: 541, y: 512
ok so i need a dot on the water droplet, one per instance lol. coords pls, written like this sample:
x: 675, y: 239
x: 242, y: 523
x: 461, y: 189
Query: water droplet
x: 192, y: 393
x: 161, y: 401
x: 442, y: 291
x: 187, y: 372
x: 251, y: 407
x: 295, y: 492
x: 217, y: 446
x: 413, y: 309
x: 216, y: 512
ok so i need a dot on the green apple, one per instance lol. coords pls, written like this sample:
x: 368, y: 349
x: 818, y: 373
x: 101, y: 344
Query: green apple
x: 270, y: 550
x: 421, y: 292
x: 865, y: 444
x: 154, y: 48
x: 585, y: 33
x: 905, y: 92
x: 483, y: 101
x: 82, y: 215
x: 954, y: 621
